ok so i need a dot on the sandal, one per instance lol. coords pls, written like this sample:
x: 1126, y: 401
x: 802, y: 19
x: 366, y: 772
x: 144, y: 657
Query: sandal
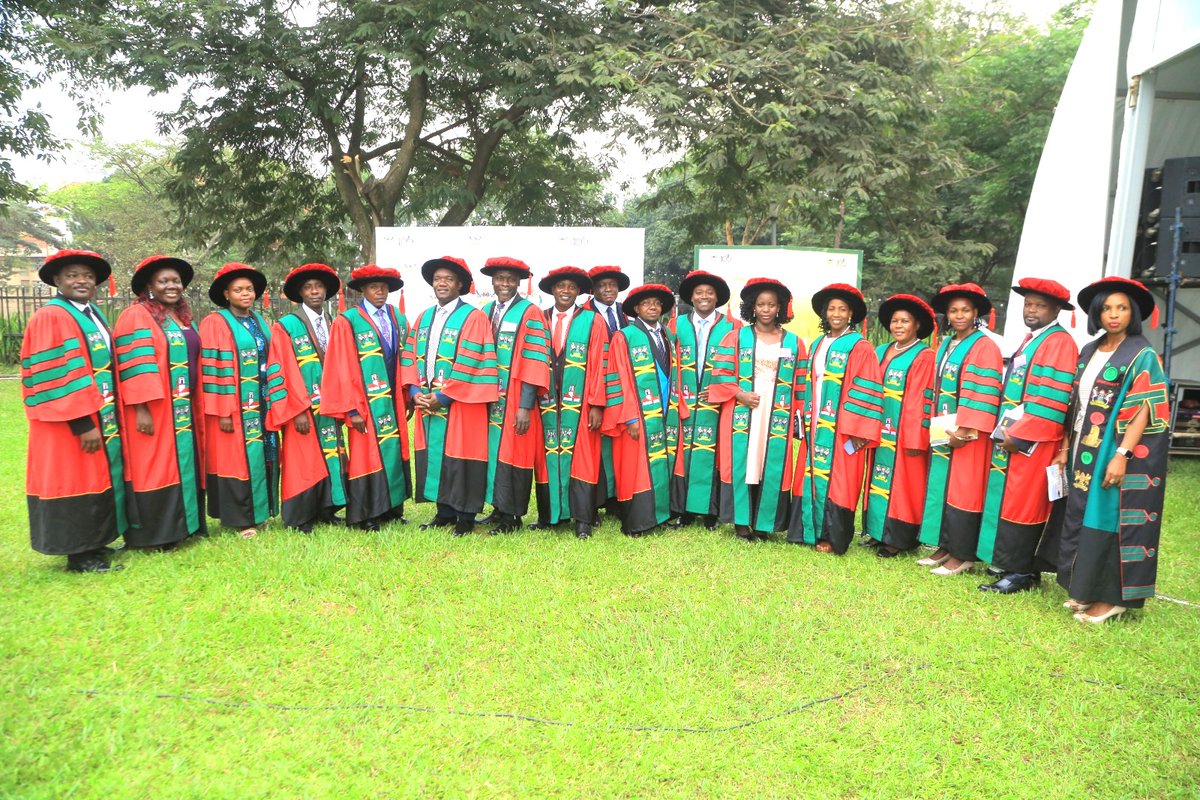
x: 248, y: 533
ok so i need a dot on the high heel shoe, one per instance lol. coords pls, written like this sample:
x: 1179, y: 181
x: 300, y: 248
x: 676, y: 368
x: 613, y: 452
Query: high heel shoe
x: 961, y: 568
x: 930, y: 561
x: 1112, y: 613
x: 1076, y: 606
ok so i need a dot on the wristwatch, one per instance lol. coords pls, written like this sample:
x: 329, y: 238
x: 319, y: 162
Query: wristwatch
x: 1125, y: 451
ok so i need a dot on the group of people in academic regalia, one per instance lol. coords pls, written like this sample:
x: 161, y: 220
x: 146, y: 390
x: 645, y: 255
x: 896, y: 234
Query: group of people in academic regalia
x: 616, y: 406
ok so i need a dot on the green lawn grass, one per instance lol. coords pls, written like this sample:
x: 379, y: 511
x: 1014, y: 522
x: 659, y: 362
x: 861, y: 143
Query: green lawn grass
x: 399, y: 656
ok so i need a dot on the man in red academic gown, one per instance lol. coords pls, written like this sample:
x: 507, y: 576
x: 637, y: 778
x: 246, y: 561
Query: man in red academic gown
x: 572, y: 410
x: 642, y: 390
x: 607, y: 283
x: 449, y: 369
x: 311, y: 463
x: 74, y: 474
x: 514, y: 426
x: 1035, y: 398
x: 361, y: 386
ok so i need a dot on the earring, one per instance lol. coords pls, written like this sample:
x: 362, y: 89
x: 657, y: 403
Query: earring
x: 150, y: 294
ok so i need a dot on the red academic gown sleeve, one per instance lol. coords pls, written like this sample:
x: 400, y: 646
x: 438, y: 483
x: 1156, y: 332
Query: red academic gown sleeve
x: 530, y: 366
x: 1048, y: 385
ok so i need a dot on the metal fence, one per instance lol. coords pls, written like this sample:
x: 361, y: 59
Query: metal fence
x: 17, y: 305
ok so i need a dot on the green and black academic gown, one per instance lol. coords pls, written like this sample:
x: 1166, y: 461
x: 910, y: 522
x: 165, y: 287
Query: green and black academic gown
x: 1017, y: 506
x: 733, y: 365
x: 452, y: 442
x: 523, y: 364
x: 830, y: 485
x: 568, y: 478
x: 1105, y: 541
x: 76, y: 500
x: 697, y: 491
x: 240, y: 465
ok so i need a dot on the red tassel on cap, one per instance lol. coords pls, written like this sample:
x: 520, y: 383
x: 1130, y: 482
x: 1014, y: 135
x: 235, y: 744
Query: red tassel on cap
x: 112, y: 286
x: 1072, y: 318
x: 266, y: 298
x: 790, y: 310
x: 400, y: 305
x: 1154, y: 318
x: 341, y: 301
x: 471, y: 288
x: 864, y: 326
x: 529, y: 284
x: 992, y: 320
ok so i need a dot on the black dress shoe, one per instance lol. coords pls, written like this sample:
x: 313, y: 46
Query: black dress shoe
x: 490, y: 519
x: 437, y: 522
x: 542, y: 526
x: 506, y: 524
x: 867, y: 541
x: 583, y: 530
x: 883, y: 552
x: 305, y: 528
x: 370, y: 525
x: 91, y: 562
x: 1013, y: 582
x: 710, y: 523
x: 995, y: 572
x: 463, y: 527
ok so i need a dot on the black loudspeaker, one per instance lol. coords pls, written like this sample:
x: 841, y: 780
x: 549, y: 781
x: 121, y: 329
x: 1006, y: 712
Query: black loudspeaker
x: 1189, y: 248
x: 1181, y: 187
x: 1174, y: 185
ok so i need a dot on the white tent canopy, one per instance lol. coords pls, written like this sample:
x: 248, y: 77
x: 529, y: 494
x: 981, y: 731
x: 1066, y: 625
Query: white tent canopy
x: 1131, y: 101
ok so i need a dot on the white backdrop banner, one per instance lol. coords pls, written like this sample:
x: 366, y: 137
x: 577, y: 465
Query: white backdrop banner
x: 543, y: 249
x: 804, y: 270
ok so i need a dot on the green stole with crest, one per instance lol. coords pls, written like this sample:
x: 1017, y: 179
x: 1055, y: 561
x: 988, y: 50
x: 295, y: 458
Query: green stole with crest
x: 823, y: 434
x: 660, y: 440
x: 435, y: 422
x: 879, y: 491
x: 309, y: 362
x: 700, y: 428
x: 778, y: 442
x: 945, y: 402
x: 560, y: 421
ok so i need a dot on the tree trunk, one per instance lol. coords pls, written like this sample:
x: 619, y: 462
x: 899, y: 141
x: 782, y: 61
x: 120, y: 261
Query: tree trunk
x: 841, y: 223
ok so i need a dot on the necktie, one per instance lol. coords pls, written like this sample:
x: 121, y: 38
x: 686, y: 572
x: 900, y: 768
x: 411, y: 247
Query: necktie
x: 497, y: 313
x: 1024, y: 342
x: 701, y: 340
x: 385, y: 328
x: 658, y: 340
x: 322, y: 336
x: 612, y: 320
x: 559, y: 316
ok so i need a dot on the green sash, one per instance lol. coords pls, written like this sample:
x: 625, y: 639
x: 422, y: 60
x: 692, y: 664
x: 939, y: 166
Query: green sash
x: 443, y: 365
x: 506, y: 341
x: 879, y: 492
x: 249, y: 393
x: 100, y: 357
x: 309, y: 361
x: 822, y: 441
x: 778, y: 441
x: 560, y: 425
x: 945, y: 402
x: 660, y: 441
x: 700, y: 428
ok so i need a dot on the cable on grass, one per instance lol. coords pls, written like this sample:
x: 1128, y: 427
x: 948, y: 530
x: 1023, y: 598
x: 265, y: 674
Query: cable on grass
x: 1175, y: 600
x: 241, y: 704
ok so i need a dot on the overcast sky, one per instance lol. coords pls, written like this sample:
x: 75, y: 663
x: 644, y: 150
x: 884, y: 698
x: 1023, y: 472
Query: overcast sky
x: 129, y: 117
